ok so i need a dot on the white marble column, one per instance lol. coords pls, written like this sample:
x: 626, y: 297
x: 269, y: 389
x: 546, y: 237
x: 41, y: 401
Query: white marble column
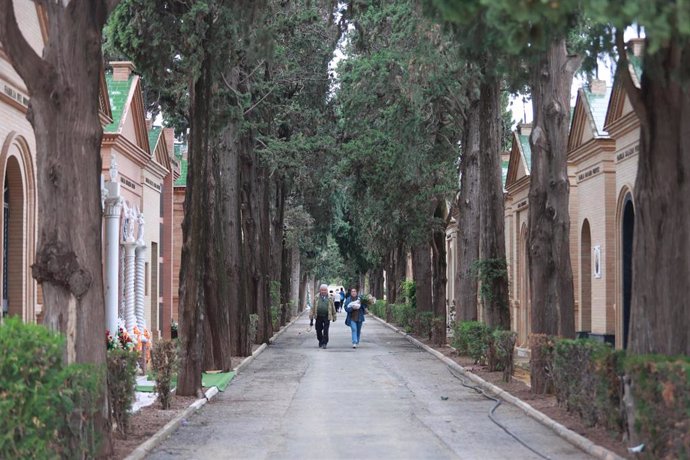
x: 113, y: 205
x: 130, y: 318
x: 139, y: 289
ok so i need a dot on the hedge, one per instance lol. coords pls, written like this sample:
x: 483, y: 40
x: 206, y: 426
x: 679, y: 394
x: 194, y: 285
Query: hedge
x: 48, y: 408
x: 660, y: 389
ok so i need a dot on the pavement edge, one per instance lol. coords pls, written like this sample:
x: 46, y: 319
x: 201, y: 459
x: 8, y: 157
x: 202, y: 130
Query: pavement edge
x: 147, y: 446
x: 572, y: 437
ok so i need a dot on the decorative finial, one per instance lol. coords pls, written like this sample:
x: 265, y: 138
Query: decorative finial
x: 113, y: 168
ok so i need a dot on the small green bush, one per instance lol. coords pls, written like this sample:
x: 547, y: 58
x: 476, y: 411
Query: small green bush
x: 576, y: 378
x: 472, y: 338
x: 403, y: 316
x: 424, y: 324
x: 660, y: 388
x: 409, y: 292
x: 48, y: 408
x: 378, y: 308
x: 504, y: 345
x: 122, y: 367
x: 164, y: 364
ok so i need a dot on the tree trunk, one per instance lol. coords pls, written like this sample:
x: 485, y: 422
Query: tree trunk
x: 264, y: 287
x: 285, y: 285
x: 294, y: 280
x: 551, y: 277
x: 400, y: 269
x: 492, y: 272
x: 439, y: 277
x: 303, y: 292
x: 376, y: 282
x: 63, y: 86
x: 391, y: 282
x: 421, y: 268
x: 660, y: 312
x: 468, y: 222
x: 195, y: 239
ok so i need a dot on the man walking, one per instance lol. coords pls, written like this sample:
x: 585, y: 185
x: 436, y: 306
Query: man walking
x: 324, y: 312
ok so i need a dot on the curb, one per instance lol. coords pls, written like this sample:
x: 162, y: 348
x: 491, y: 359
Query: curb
x: 284, y: 328
x: 147, y: 446
x: 577, y: 440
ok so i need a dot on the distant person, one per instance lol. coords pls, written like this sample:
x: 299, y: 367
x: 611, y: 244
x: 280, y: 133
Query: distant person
x: 324, y: 312
x: 355, y: 315
x: 337, y: 301
x: 342, y: 298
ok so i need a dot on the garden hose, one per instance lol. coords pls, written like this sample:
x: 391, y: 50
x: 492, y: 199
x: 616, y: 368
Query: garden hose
x: 491, y: 414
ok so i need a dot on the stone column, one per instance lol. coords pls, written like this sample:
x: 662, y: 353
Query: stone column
x: 130, y: 318
x: 113, y: 205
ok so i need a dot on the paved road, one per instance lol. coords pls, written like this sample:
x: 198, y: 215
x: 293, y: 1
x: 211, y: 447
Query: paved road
x: 385, y: 400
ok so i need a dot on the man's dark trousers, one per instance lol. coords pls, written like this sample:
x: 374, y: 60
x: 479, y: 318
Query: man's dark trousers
x: 322, y: 325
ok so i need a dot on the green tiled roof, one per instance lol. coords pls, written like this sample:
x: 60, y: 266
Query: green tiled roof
x: 154, y: 134
x: 636, y: 63
x: 598, y: 104
x: 182, y: 180
x: 526, y: 151
x: 118, y: 92
x: 504, y: 172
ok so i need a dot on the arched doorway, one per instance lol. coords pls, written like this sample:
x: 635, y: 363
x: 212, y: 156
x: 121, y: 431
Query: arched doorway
x: 13, y: 240
x: 586, y: 278
x: 627, y: 231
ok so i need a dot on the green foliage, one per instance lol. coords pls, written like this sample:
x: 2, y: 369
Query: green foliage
x: 400, y: 105
x: 504, y: 346
x: 403, y: 316
x: 660, y: 388
x: 164, y: 364
x: 378, y: 308
x: 472, y: 338
x: 48, y: 408
x: 409, y: 292
x: 122, y: 366
x: 424, y: 324
x: 487, y: 271
x: 586, y: 378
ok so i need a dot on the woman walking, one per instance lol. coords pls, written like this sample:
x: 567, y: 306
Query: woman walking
x: 356, y: 311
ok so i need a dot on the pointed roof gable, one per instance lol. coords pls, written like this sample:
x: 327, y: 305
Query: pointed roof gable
x: 619, y: 98
x: 589, y: 116
x: 159, y: 148
x: 520, y: 160
x: 127, y: 105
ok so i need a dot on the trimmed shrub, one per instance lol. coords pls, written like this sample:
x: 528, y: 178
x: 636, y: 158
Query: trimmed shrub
x: 378, y: 308
x: 122, y: 366
x: 403, y: 315
x: 472, y: 338
x: 424, y: 324
x: 48, y: 408
x: 409, y: 292
x: 575, y: 376
x: 609, y: 393
x: 504, y: 346
x: 164, y: 364
x: 660, y: 389
x: 541, y: 363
